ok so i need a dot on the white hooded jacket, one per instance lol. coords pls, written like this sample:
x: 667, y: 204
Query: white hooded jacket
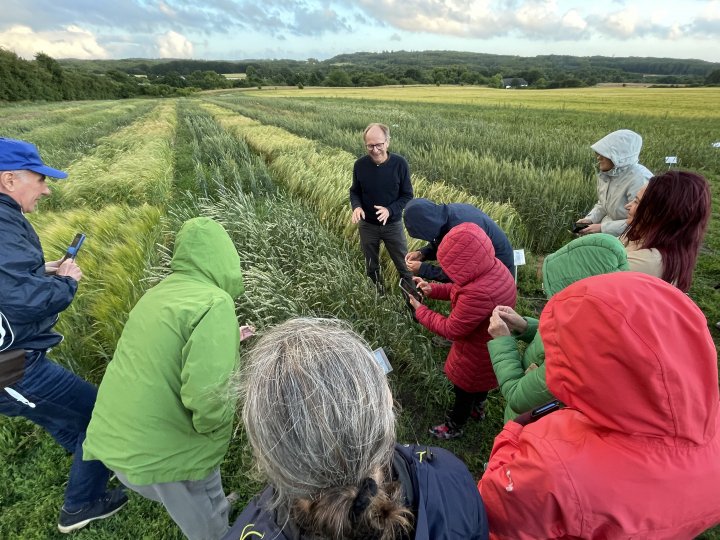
x: 619, y: 185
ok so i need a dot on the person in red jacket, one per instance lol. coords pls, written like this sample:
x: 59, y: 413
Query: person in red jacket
x: 479, y: 283
x: 636, y: 452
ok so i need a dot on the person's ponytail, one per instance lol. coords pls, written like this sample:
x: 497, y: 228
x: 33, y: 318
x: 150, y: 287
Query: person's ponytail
x: 367, y: 511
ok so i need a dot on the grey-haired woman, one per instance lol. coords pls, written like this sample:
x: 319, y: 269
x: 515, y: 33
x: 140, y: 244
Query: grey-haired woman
x: 319, y: 416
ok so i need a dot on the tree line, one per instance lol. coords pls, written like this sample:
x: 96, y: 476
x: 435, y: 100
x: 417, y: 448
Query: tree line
x: 45, y: 78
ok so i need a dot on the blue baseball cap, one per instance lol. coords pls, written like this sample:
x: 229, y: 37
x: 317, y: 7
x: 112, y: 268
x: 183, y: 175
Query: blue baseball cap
x: 20, y: 155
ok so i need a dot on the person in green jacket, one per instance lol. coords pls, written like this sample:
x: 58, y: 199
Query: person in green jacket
x: 522, y: 377
x: 163, y: 417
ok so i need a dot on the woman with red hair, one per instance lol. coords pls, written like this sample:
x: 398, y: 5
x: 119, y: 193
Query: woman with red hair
x: 666, y: 224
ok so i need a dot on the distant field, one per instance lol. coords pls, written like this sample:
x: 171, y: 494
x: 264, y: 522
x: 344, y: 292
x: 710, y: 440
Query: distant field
x: 234, y: 76
x: 274, y: 166
x: 664, y: 102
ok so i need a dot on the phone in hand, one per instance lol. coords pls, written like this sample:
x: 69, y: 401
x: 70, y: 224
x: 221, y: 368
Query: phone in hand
x: 411, y: 290
x: 579, y: 227
x: 74, y: 247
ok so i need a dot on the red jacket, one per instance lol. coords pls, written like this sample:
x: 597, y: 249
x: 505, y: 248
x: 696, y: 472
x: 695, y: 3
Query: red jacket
x: 480, y: 282
x: 637, y: 452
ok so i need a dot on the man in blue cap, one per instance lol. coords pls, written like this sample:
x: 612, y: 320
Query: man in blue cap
x: 34, y: 292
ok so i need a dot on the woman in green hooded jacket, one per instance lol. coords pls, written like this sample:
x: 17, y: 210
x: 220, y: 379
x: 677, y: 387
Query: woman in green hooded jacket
x: 522, y: 377
x: 163, y: 417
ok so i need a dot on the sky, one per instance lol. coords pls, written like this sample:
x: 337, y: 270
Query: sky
x: 237, y: 29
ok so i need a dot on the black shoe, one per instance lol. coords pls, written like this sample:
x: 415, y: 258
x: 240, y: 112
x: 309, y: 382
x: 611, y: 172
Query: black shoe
x: 104, y: 507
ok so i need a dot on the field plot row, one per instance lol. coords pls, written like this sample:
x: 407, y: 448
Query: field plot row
x: 538, y: 159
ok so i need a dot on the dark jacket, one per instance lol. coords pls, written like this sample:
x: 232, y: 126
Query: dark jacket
x: 436, y: 484
x: 431, y: 222
x: 387, y: 184
x: 30, y: 300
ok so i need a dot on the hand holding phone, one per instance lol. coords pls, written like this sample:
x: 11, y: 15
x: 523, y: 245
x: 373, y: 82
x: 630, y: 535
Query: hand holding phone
x: 579, y: 227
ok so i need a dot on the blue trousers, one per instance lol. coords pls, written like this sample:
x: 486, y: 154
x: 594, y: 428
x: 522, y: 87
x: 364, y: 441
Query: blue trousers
x: 63, y: 406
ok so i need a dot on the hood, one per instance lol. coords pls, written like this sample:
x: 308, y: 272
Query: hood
x: 634, y: 355
x: 204, y: 250
x: 424, y: 219
x: 622, y: 147
x: 466, y: 253
x: 586, y: 256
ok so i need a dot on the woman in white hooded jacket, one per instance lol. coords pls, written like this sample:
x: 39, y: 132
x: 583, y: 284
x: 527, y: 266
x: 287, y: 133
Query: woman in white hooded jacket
x: 619, y: 179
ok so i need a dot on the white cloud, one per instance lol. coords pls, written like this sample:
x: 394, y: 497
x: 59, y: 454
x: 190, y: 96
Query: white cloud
x: 623, y: 24
x: 572, y: 20
x: 69, y: 42
x: 173, y: 45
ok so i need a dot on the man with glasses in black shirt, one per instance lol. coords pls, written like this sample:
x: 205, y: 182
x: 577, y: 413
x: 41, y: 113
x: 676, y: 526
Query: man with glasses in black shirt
x: 380, y: 190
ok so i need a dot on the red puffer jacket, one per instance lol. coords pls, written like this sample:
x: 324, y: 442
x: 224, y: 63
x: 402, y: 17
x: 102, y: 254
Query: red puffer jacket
x: 480, y: 282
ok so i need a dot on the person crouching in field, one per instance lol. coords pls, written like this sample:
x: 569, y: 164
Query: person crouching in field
x: 619, y: 179
x: 163, y: 420
x: 636, y: 452
x: 480, y: 282
x: 319, y: 416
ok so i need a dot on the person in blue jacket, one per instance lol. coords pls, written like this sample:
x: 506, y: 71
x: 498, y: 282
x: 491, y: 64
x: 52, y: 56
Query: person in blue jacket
x: 34, y: 292
x: 431, y: 222
x: 319, y: 416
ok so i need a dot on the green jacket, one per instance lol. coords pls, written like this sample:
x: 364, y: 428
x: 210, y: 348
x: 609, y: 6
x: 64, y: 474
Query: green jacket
x: 586, y: 256
x: 163, y: 413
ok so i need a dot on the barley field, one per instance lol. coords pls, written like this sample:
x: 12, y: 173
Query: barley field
x: 274, y: 166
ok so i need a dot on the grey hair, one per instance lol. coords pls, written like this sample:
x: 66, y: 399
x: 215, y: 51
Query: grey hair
x: 317, y: 409
x: 383, y: 128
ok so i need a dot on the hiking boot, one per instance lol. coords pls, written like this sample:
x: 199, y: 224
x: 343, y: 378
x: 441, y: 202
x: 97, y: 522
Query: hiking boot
x: 478, y: 411
x: 447, y: 430
x: 104, y: 507
x: 441, y: 342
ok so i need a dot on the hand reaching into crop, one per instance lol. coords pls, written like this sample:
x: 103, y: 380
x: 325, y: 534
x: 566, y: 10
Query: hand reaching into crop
x: 357, y: 215
x: 413, y: 260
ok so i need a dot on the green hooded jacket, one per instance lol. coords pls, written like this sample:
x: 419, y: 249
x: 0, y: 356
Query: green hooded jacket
x: 586, y: 256
x: 162, y: 412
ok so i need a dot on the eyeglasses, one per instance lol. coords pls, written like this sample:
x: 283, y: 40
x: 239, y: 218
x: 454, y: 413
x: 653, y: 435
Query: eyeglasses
x: 377, y: 146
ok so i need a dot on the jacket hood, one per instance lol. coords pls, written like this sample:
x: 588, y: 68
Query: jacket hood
x: 634, y: 355
x: 622, y: 147
x: 204, y: 250
x: 586, y: 256
x: 425, y: 220
x: 466, y: 253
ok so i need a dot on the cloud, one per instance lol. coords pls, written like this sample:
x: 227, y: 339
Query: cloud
x: 69, y: 42
x: 537, y: 19
x: 707, y: 23
x: 174, y: 45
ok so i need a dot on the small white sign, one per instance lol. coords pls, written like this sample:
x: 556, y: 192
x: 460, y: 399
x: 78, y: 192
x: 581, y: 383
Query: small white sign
x: 671, y: 160
x: 382, y: 360
x: 716, y: 144
x: 519, y: 255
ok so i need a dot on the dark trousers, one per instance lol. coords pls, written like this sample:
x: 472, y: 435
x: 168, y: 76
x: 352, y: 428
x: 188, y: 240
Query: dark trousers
x: 63, y: 404
x: 393, y: 235
x: 464, y: 403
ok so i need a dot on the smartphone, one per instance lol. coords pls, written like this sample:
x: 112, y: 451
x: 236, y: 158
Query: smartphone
x: 547, y: 408
x: 414, y: 291
x: 579, y: 227
x: 74, y: 247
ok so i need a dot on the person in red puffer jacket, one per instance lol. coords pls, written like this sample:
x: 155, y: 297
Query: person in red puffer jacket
x: 479, y: 283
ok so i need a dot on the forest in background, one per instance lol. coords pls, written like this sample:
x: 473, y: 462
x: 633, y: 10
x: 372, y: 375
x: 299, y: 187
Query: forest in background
x: 48, y: 79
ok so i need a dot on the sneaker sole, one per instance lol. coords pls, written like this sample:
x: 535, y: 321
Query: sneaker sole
x: 80, y: 524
